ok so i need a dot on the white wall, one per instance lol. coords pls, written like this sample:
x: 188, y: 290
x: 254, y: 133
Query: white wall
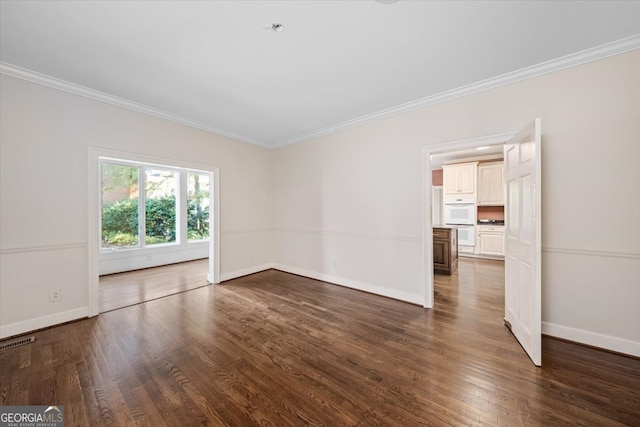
x: 44, y: 141
x: 348, y: 205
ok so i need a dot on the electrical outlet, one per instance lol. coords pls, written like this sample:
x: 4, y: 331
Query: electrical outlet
x: 54, y: 295
x: 148, y: 257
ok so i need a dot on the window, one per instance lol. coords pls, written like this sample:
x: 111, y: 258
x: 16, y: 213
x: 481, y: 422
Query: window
x: 160, y: 206
x: 197, y: 206
x: 120, y: 213
x: 166, y: 205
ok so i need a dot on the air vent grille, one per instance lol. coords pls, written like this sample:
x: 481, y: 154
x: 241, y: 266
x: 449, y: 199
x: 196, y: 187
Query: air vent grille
x: 16, y: 343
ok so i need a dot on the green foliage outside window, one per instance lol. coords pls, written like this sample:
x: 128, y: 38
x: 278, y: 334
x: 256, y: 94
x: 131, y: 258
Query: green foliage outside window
x: 160, y: 220
x: 120, y: 222
x: 121, y: 195
x: 197, y: 221
x: 197, y: 206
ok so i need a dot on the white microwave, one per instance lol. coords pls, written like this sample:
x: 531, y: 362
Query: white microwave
x: 460, y: 213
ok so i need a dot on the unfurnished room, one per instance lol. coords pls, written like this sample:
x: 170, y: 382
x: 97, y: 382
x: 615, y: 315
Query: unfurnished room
x: 293, y: 213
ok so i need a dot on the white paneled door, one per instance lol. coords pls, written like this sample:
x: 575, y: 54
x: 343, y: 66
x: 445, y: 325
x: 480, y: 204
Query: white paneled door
x: 523, y: 296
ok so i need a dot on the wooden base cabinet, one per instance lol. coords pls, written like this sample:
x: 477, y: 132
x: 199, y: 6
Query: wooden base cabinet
x: 445, y: 249
x: 490, y: 240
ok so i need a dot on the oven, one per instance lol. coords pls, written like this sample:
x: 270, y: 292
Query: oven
x: 463, y: 212
x: 467, y: 235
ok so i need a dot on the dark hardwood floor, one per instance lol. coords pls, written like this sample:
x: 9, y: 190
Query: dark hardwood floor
x: 275, y: 349
x: 133, y: 287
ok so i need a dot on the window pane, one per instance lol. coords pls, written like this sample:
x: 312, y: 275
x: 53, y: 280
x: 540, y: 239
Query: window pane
x: 197, y: 206
x: 160, y: 206
x: 119, y: 206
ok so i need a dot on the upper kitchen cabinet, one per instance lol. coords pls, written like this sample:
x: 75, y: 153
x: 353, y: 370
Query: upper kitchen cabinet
x: 459, y: 180
x: 491, y: 184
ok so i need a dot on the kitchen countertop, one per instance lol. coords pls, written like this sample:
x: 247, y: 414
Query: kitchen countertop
x: 445, y: 226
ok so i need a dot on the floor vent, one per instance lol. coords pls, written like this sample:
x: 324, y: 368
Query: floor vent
x: 17, y: 343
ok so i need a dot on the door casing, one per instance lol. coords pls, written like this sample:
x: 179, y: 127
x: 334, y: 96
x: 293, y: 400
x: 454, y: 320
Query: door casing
x: 466, y: 144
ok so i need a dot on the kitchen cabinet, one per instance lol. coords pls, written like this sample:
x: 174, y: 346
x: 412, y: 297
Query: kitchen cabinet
x: 459, y: 180
x: 445, y: 249
x: 464, y: 249
x: 490, y: 240
x: 491, y: 184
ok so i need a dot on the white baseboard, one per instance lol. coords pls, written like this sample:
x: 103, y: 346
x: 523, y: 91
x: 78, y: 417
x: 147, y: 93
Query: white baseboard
x: 353, y: 284
x: 25, y: 326
x: 595, y: 339
x: 245, y: 271
x: 136, y: 259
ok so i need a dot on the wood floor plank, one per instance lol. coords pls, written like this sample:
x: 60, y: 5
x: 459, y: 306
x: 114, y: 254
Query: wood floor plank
x: 275, y: 349
x: 134, y: 287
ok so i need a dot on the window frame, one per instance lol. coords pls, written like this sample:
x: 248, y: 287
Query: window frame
x: 181, y: 195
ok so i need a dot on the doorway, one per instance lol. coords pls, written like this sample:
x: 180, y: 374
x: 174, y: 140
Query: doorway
x: 476, y: 216
x: 522, y: 234
x: 466, y: 149
x: 94, y: 211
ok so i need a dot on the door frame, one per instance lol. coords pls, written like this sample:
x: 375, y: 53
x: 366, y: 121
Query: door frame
x: 427, y: 151
x: 95, y: 153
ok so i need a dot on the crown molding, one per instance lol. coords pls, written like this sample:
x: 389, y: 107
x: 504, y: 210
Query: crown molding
x: 588, y: 55
x: 578, y: 58
x: 66, y: 86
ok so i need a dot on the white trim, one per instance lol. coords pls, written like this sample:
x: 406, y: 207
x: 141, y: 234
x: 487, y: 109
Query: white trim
x: 621, y: 345
x: 245, y: 271
x: 163, y: 162
x: 94, y: 230
x: 595, y: 339
x: 94, y: 155
x: 43, y: 248
x: 571, y: 60
x: 591, y: 252
x: 329, y: 278
x: 69, y: 87
x: 427, y: 230
x: 353, y: 284
x: 578, y: 58
x: 214, y: 227
x: 466, y: 144
x: 350, y: 235
x: 137, y: 259
x: 30, y: 325
x: 247, y: 231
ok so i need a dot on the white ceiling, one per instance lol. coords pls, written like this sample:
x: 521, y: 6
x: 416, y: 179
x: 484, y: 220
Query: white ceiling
x: 220, y: 67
